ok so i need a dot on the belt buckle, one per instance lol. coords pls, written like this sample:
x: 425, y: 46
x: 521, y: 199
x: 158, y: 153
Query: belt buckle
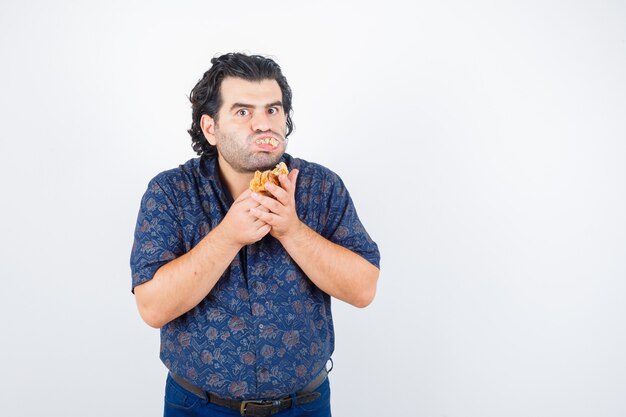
x: 242, y: 408
x: 244, y: 404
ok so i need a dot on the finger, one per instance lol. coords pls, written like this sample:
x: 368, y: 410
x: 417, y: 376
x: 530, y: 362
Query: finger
x: 288, y: 182
x: 293, y: 176
x: 266, y: 217
x: 268, y: 202
x: 280, y: 194
x: 244, y: 195
x: 262, y: 208
x: 259, y: 223
x: 248, y: 204
x: 262, y: 231
x: 258, y: 209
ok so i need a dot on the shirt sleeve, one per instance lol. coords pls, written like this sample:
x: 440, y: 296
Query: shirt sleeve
x: 158, y: 234
x: 341, y: 224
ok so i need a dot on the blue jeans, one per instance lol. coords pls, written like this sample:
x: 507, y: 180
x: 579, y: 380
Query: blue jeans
x: 181, y: 403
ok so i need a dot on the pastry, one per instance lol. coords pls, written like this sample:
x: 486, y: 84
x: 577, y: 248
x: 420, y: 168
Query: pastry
x: 260, y: 178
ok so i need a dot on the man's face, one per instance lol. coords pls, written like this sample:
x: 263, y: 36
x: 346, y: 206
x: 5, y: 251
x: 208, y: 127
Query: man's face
x: 251, y: 126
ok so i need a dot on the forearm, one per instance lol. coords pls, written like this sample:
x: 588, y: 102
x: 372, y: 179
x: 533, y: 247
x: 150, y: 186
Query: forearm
x: 181, y: 284
x: 334, y: 269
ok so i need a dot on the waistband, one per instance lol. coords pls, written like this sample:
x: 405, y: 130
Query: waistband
x: 258, y: 408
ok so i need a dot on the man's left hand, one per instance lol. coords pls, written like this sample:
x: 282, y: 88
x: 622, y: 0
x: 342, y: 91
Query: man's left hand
x: 282, y: 216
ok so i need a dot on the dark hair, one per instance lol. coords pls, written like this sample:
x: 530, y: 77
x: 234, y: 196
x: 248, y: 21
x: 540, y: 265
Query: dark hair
x: 206, y: 99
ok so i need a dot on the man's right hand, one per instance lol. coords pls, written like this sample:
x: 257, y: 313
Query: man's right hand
x: 182, y: 283
x: 240, y: 227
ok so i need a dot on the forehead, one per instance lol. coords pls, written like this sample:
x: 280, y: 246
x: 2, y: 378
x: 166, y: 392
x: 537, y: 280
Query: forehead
x: 238, y: 90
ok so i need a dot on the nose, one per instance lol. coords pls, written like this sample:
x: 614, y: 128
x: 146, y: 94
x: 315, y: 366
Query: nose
x: 260, y: 122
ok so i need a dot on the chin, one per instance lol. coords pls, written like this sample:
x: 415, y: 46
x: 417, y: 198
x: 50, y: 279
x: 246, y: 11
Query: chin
x: 267, y: 162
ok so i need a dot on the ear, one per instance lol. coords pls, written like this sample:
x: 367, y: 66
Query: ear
x: 207, y: 125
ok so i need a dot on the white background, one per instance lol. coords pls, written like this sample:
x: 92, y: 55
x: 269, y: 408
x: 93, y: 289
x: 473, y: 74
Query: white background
x: 483, y: 143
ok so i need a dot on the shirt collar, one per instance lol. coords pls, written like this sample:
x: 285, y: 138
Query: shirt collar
x: 209, y: 169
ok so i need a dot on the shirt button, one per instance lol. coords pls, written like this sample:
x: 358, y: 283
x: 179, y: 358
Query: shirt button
x: 261, y: 326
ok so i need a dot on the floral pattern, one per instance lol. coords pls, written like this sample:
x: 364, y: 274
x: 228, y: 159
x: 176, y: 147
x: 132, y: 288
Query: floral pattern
x: 265, y: 330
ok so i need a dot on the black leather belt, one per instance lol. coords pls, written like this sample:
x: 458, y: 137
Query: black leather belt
x: 257, y: 408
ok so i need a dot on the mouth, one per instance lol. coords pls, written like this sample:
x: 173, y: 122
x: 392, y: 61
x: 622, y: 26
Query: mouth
x: 268, y: 140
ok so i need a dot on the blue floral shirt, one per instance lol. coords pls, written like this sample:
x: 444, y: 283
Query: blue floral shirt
x: 265, y: 330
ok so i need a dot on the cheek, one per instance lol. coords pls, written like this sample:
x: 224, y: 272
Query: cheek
x: 281, y: 125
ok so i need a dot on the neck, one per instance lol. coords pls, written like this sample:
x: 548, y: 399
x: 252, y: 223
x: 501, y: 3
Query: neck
x: 236, y: 182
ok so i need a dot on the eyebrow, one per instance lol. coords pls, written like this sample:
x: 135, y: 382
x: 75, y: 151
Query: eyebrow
x: 267, y: 106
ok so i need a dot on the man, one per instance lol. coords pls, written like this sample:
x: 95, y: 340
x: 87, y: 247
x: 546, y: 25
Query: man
x: 240, y: 282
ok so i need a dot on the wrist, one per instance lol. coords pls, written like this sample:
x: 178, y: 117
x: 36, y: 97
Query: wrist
x: 224, y: 238
x: 297, y: 235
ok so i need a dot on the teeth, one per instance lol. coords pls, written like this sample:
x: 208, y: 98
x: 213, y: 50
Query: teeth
x: 271, y: 141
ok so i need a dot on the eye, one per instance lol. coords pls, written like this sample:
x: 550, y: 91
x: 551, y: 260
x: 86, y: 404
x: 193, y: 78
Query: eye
x: 242, y: 112
x: 273, y: 110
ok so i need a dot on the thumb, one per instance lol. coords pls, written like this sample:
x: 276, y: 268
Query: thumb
x: 293, y: 175
x: 244, y: 195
